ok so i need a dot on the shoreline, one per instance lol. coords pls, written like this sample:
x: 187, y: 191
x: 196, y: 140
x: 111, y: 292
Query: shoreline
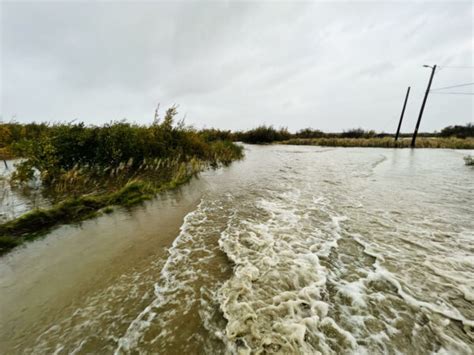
x: 37, y: 222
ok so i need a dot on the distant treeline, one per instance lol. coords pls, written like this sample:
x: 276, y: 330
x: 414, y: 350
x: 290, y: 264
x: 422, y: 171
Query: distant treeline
x: 268, y: 134
x: 458, y: 131
x: 120, y: 140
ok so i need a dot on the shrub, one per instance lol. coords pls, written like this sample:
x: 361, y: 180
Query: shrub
x: 357, y: 133
x: 458, y: 131
x: 263, y: 134
x: 63, y: 152
x: 85, y: 169
x: 309, y: 133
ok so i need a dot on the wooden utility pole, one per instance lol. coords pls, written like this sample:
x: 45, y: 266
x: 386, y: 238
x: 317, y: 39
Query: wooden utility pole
x: 413, y: 140
x: 403, y: 112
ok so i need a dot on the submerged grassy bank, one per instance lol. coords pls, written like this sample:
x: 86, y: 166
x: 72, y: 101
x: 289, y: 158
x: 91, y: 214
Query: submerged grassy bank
x: 85, y: 171
x: 39, y: 221
x: 386, y: 142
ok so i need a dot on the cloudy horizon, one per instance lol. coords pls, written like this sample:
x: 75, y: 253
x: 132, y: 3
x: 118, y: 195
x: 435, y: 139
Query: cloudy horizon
x: 235, y: 65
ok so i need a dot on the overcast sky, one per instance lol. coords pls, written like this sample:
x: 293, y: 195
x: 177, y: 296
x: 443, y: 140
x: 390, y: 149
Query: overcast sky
x: 235, y: 65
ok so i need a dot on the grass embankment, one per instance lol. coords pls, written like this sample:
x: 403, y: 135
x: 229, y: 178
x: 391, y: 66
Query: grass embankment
x: 39, y: 221
x: 387, y: 142
x: 84, y: 171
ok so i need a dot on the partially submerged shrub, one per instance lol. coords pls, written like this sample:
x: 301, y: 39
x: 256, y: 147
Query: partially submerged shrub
x: 70, y: 154
x: 86, y: 169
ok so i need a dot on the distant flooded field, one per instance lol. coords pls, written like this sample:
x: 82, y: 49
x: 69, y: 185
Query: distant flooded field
x: 293, y: 250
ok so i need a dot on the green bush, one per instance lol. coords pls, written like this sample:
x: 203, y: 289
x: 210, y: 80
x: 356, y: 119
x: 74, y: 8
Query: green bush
x: 60, y: 148
x: 263, y: 134
x: 458, y: 131
x: 86, y: 169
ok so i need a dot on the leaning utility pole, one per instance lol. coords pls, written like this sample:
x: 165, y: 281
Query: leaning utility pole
x: 403, y: 112
x: 413, y: 140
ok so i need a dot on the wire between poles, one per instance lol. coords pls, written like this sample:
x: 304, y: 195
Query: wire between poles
x: 456, y: 67
x: 451, y: 87
x: 453, y: 93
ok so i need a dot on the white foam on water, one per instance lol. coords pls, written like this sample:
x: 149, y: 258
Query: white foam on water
x: 171, y: 283
x: 191, y: 273
x: 274, y: 301
x: 140, y: 303
x: 85, y: 326
x: 308, y: 278
x: 329, y: 254
x: 381, y: 273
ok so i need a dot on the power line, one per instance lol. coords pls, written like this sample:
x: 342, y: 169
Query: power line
x: 454, y: 86
x: 453, y: 93
x: 457, y: 67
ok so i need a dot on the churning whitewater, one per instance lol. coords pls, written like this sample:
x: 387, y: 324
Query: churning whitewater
x: 301, y: 250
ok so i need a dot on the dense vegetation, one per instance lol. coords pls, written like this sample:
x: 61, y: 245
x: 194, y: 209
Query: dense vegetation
x: 457, y: 137
x: 83, y: 169
x: 12, y: 133
x: 262, y: 135
x: 458, y: 131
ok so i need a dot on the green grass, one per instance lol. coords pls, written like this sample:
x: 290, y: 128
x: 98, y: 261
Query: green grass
x: 8, y: 243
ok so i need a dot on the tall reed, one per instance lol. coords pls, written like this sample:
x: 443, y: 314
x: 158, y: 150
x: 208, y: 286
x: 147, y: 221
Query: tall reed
x: 84, y: 169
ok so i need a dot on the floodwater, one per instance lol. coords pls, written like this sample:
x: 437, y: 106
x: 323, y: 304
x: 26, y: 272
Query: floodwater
x: 294, y: 250
x: 16, y: 201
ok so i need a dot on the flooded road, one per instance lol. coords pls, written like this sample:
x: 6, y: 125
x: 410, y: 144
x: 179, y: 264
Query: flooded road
x: 293, y: 250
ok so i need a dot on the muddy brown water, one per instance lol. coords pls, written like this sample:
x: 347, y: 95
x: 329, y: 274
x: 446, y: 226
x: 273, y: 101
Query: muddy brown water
x: 292, y: 250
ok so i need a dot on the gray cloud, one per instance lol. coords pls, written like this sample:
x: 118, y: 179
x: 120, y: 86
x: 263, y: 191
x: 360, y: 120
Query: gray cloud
x: 376, y: 69
x: 235, y: 64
